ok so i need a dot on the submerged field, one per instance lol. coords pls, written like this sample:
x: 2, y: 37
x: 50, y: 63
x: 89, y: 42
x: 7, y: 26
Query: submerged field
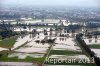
x: 29, y: 48
x: 94, y: 45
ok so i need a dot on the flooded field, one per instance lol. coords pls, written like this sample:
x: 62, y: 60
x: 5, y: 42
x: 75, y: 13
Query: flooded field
x: 94, y: 44
x: 17, y: 64
x: 45, y: 43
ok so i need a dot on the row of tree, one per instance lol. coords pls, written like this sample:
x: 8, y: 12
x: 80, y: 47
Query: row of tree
x: 7, y: 33
x: 87, y: 49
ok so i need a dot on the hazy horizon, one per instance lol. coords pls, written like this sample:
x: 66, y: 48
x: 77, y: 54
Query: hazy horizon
x: 81, y: 3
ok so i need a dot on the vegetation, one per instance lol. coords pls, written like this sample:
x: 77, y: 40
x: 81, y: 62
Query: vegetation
x: 8, y: 43
x: 4, y: 57
x: 0, y: 38
x: 7, y: 33
x: 84, y: 45
x: 95, y: 46
x: 64, y: 52
x: 87, y: 49
x: 15, y: 59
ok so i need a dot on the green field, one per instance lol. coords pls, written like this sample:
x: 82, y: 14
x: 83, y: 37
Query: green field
x: 63, y: 52
x: 4, y: 58
x: 7, y: 43
x: 95, y: 46
x: 0, y: 38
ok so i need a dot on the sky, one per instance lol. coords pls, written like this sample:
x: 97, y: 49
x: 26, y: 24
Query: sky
x: 51, y: 2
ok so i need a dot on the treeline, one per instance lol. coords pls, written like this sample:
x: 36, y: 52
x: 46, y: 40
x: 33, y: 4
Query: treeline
x: 83, y: 44
x: 87, y: 49
x: 7, y: 33
x: 92, y: 25
x: 9, y: 16
x: 74, y: 27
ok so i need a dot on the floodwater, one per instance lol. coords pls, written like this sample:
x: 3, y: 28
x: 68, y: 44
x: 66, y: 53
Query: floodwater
x: 17, y: 64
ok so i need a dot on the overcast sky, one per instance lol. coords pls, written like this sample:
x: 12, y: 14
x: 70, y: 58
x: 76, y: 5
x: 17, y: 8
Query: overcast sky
x: 52, y: 2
